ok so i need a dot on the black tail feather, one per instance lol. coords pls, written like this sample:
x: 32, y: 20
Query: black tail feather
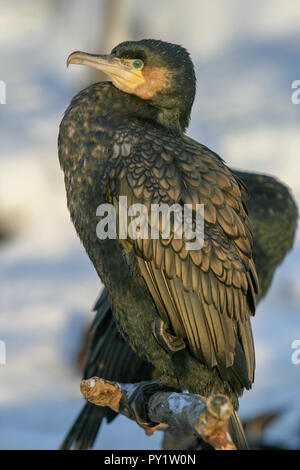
x: 237, y: 432
x: 111, y: 358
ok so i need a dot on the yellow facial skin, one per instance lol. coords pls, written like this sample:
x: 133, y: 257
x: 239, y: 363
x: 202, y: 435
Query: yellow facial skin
x: 144, y: 82
x: 122, y: 72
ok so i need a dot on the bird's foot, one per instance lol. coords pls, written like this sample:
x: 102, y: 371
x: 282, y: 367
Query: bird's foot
x: 137, y: 402
x: 158, y: 427
x: 165, y: 339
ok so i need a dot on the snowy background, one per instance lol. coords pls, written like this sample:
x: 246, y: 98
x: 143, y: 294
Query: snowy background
x: 246, y: 56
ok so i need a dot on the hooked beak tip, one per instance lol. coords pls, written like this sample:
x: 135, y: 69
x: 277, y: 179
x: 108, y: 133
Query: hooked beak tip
x: 70, y: 57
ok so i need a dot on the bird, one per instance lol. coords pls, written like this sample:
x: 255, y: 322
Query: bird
x: 273, y: 214
x: 187, y: 312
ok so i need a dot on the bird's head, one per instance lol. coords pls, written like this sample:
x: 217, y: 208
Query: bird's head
x: 158, y: 72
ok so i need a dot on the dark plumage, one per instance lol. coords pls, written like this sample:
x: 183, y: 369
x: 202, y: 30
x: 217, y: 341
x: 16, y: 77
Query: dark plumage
x: 126, y: 139
x: 111, y: 358
x: 273, y: 214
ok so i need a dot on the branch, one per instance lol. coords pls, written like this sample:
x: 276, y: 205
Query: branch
x: 205, y: 418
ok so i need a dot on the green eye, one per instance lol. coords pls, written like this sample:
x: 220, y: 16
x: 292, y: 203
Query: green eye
x: 138, y: 64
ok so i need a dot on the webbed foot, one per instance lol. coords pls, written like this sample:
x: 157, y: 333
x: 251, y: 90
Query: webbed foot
x: 137, y: 403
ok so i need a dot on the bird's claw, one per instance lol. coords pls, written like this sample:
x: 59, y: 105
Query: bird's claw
x: 165, y: 339
x: 137, y: 403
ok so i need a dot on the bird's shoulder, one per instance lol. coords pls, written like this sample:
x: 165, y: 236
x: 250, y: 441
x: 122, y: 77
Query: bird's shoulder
x: 163, y: 168
x: 152, y: 167
x: 214, y: 287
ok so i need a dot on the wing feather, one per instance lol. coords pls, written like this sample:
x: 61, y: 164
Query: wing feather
x: 207, y: 295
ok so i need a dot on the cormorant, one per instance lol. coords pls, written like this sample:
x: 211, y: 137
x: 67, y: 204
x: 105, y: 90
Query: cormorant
x: 273, y: 215
x: 126, y: 138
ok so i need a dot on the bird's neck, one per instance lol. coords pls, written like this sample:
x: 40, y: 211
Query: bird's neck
x: 170, y: 119
x: 128, y: 106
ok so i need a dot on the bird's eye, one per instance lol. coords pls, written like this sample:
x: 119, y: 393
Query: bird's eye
x: 138, y: 63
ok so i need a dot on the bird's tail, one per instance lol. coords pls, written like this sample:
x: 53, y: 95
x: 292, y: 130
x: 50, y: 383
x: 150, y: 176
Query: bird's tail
x: 83, y: 433
x: 237, y: 432
x: 111, y: 358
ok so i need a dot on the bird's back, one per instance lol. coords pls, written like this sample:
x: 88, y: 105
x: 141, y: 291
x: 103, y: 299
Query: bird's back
x: 104, y: 158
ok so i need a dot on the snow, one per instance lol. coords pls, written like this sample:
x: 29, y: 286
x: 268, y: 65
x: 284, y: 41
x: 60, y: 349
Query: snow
x: 246, y: 60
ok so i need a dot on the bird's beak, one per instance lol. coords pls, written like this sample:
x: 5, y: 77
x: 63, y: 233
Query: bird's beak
x: 105, y: 63
x: 123, y: 75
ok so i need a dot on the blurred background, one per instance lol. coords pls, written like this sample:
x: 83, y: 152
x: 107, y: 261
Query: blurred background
x: 246, y: 56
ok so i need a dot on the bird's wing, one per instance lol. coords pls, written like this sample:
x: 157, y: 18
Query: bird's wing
x: 205, y: 295
x: 274, y: 215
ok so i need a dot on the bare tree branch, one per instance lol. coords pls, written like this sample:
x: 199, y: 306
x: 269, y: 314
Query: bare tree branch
x: 206, y: 418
